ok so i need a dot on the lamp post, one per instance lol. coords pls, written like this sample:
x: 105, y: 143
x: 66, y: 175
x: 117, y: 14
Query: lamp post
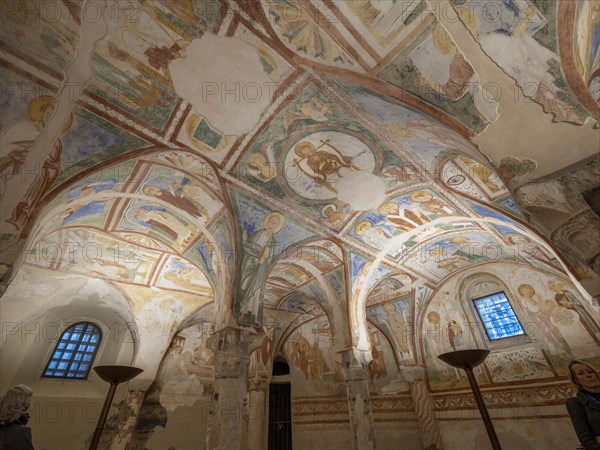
x: 113, y: 375
x: 467, y: 360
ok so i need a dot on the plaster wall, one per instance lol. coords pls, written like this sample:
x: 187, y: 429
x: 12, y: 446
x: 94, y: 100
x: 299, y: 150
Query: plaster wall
x: 522, y: 434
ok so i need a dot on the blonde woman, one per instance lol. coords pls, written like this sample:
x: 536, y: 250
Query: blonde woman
x: 584, y: 408
x: 14, y: 434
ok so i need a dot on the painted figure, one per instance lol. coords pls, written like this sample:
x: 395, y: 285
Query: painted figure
x: 430, y: 204
x: 403, y: 220
x: 176, y: 197
x: 16, y: 142
x: 545, y: 332
x: 321, y: 163
x: 376, y: 236
x: 401, y: 327
x: 257, y: 259
x: 169, y: 225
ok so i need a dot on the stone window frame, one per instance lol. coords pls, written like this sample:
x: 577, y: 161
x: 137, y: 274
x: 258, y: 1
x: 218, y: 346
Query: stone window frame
x: 472, y: 288
x: 55, y: 348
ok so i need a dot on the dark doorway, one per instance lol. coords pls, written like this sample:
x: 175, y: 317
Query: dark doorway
x: 280, y: 417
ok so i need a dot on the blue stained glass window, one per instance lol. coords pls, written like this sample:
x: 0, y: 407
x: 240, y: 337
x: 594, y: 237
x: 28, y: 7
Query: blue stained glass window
x: 498, y: 317
x: 83, y: 336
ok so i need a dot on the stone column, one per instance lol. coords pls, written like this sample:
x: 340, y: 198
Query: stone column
x: 257, y: 413
x: 428, y: 428
x: 232, y: 348
x: 356, y: 377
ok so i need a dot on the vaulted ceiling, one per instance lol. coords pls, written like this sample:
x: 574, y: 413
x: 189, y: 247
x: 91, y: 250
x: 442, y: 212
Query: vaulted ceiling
x: 204, y: 147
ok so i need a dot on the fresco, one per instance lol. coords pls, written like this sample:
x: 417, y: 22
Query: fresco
x: 473, y: 179
x: 586, y: 49
x: 525, y: 249
x: 159, y: 222
x: 179, y: 274
x: 336, y: 279
x: 93, y: 253
x: 223, y: 234
x: 186, y: 370
x: 330, y: 163
x: 559, y: 326
x: 19, y: 92
x: 485, y: 211
x: 312, y: 361
x: 382, y: 368
x: 445, y: 329
x: 302, y: 304
x: 95, y: 211
x: 385, y: 21
x: 17, y: 141
x: 400, y: 214
x: 566, y: 314
x: 131, y: 64
x: 199, y: 132
x: 323, y: 159
x: 433, y: 68
x: 388, y: 288
x: 413, y: 132
x: 93, y: 140
x: 523, y: 364
x: 513, y: 39
x: 299, y: 30
x: 449, y: 254
x: 49, y: 32
x: 189, y: 163
x: 180, y: 191
x: 265, y: 234
x: 325, y: 178
x: 359, y: 269
x: 395, y: 319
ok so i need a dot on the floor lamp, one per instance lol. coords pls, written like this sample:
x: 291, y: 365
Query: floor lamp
x: 113, y: 375
x: 467, y: 360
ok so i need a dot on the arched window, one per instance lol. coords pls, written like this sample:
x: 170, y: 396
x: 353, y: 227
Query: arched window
x: 75, y: 352
x: 497, y: 317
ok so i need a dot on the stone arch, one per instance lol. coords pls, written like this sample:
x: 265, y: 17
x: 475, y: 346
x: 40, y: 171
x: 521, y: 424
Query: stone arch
x: 358, y: 309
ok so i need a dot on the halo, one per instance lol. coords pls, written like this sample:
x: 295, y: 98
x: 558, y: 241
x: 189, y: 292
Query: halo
x: 360, y: 224
x: 304, y: 149
x: 281, y: 220
x: 420, y: 196
x: 433, y: 317
x: 384, y: 208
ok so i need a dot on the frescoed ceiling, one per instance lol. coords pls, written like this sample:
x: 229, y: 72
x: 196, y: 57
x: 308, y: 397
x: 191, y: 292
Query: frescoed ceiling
x: 288, y: 156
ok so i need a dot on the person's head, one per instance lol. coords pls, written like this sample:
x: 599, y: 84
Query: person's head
x: 420, y: 196
x: 363, y: 227
x: 564, y: 301
x: 274, y: 222
x: 433, y: 317
x: 389, y: 208
x: 40, y: 110
x: 14, y: 405
x: 141, y: 214
x: 584, y: 377
x: 153, y: 191
x: 304, y: 149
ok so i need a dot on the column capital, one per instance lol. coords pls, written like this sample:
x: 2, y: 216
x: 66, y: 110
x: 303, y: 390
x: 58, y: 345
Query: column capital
x: 233, y: 341
x: 258, y: 384
x: 354, y: 357
x: 232, y: 347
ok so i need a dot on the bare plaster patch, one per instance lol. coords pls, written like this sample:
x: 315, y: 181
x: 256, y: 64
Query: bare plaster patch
x: 224, y: 81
